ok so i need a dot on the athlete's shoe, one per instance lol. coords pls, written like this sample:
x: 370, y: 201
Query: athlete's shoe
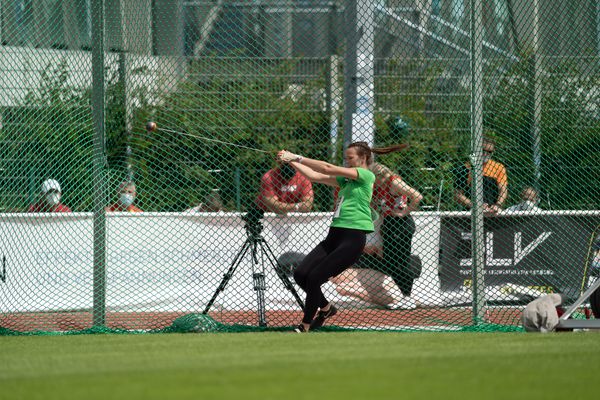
x: 300, y: 329
x: 321, y: 317
x: 405, y: 303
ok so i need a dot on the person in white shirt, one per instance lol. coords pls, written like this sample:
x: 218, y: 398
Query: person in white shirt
x: 529, y: 201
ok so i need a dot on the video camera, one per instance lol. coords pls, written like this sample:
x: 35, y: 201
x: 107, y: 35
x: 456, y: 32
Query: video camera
x: 252, y: 219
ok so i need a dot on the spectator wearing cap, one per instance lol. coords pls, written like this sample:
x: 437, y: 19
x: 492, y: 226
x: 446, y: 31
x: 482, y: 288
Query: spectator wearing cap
x: 127, y: 194
x: 50, y: 198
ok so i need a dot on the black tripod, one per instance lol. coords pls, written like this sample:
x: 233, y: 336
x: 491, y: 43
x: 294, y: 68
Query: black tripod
x: 258, y: 247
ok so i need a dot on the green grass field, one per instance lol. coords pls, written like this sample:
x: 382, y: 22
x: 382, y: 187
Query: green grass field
x: 359, y: 365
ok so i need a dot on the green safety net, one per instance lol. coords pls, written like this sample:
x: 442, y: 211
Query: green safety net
x: 136, y: 140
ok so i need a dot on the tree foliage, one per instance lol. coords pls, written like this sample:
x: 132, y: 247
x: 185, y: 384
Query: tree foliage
x: 208, y: 126
x: 224, y: 106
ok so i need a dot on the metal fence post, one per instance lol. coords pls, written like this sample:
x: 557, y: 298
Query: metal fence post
x: 477, y: 225
x: 536, y: 98
x: 99, y: 162
x: 350, y: 69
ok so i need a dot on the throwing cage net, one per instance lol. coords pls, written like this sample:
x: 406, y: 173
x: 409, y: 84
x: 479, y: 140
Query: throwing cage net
x: 108, y: 223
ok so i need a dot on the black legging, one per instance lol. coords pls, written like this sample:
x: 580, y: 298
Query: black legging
x: 341, y: 248
x: 397, y: 234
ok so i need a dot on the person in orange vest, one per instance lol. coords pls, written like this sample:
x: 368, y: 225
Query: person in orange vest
x: 495, y: 181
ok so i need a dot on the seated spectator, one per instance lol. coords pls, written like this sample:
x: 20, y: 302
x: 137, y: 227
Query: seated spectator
x: 284, y: 190
x: 50, y: 201
x: 529, y: 201
x: 127, y: 193
x: 495, y: 181
x: 212, y: 203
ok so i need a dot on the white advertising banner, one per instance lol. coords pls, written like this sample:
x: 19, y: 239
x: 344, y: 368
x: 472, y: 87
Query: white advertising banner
x: 166, y: 261
x: 176, y: 261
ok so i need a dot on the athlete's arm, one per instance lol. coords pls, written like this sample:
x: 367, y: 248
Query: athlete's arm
x: 328, y: 169
x: 318, y: 166
x: 313, y: 175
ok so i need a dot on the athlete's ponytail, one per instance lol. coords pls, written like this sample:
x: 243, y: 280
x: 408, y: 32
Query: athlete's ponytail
x: 363, y: 150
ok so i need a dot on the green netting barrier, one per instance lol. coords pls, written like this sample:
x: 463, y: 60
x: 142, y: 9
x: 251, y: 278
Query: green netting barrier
x: 139, y: 191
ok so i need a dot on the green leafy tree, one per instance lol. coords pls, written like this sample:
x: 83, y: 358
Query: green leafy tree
x: 177, y: 166
x: 53, y: 127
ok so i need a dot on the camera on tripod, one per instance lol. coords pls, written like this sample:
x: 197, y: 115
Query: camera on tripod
x: 253, y: 221
x: 261, y: 256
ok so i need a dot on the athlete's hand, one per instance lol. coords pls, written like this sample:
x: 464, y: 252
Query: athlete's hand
x: 287, y: 156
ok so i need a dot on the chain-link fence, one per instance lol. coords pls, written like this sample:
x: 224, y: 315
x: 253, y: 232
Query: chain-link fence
x: 109, y: 223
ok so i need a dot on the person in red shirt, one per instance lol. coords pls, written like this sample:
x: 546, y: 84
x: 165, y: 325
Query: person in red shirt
x: 127, y: 193
x: 50, y: 202
x: 395, y: 200
x: 284, y: 190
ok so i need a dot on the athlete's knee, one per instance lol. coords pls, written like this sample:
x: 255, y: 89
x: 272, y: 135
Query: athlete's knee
x: 300, y: 278
x: 315, y: 279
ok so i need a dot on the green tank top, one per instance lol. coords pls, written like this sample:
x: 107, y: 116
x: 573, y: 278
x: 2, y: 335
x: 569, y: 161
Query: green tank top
x: 352, y: 209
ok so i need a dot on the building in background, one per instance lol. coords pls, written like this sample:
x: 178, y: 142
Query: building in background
x: 284, y: 28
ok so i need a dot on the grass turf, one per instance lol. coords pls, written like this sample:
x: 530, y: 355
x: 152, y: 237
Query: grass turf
x: 356, y: 365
